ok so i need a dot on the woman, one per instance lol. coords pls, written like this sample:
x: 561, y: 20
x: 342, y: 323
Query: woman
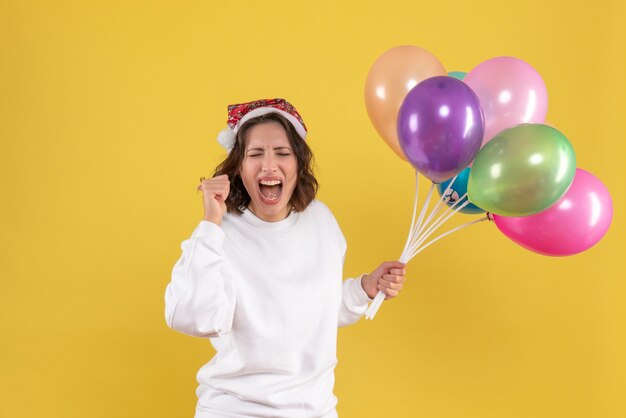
x: 261, y: 275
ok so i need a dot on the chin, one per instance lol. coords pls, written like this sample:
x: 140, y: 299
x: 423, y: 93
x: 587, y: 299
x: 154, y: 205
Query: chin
x: 271, y: 208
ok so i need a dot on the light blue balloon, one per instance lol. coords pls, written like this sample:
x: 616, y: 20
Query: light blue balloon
x: 458, y: 189
x: 459, y: 75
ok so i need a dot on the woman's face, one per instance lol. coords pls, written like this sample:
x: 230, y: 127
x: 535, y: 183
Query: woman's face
x: 269, y: 171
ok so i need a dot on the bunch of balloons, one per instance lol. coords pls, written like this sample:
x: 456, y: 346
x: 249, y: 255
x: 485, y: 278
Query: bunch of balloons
x: 481, y: 138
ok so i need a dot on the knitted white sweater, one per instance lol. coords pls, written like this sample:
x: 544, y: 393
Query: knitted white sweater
x: 270, y: 296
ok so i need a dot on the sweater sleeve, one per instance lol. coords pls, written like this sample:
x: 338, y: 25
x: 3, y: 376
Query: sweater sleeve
x: 200, y: 298
x: 354, y: 301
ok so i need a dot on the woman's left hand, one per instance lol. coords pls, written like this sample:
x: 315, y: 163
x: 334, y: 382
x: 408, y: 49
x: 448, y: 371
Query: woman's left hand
x: 388, y: 278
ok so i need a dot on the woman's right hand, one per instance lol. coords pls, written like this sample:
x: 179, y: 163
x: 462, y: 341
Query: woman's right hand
x: 215, y: 191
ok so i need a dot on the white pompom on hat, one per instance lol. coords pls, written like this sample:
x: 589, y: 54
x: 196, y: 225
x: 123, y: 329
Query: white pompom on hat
x: 239, y: 113
x: 226, y: 138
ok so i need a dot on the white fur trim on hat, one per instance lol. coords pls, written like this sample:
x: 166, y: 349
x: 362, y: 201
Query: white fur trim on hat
x: 269, y: 109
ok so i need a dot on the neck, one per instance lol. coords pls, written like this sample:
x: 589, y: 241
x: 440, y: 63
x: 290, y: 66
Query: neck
x: 270, y: 217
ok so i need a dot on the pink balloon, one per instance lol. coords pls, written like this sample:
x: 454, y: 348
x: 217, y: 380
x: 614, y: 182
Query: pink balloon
x: 510, y: 92
x: 572, y: 225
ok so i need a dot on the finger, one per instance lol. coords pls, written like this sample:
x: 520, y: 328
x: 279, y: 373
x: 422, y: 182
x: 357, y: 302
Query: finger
x: 394, y: 279
x: 215, y: 187
x: 391, y: 285
x: 215, y: 192
x: 222, y: 187
x: 213, y: 181
x: 221, y: 177
x: 397, y: 271
x: 387, y: 291
x: 219, y: 195
x: 392, y: 264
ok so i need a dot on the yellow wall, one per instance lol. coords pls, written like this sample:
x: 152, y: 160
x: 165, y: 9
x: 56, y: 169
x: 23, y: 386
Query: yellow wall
x: 109, y: 110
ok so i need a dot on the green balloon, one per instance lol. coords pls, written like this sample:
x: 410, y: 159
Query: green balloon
x: 523, y: 170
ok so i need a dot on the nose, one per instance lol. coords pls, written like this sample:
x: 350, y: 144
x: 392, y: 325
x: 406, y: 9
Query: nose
x: 269, y: 164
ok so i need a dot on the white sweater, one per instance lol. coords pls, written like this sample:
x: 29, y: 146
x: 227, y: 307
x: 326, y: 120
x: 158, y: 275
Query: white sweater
x: 270, y: 297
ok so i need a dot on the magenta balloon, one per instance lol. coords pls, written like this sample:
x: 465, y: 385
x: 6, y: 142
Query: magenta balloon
x: 572, y: 225
x: 510, y: 92
x: 440, y: 127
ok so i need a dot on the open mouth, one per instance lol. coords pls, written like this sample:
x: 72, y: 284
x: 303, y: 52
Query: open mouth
x: 270, y: 190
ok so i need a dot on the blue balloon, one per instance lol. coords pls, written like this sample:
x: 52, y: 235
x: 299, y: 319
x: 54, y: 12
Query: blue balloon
x: 459, y: 75
x: 458, y: 189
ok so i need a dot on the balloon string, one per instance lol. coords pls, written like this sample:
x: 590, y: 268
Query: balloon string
x: 380, y: 296
x: 437, y: 222
x: 410, y: 237
x: 420, y: 249
x: 444, y: 197
x: 418, y: 227
x: 433, y: 212
x: 414, y: 234
x: 436, y: 226
x: 420, y: 232
x: 373, y: 308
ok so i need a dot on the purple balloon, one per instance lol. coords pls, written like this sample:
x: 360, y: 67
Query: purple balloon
x: 440, y: 127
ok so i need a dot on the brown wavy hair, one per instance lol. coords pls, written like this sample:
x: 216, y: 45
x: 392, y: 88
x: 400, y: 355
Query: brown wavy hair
x: 306, y: 185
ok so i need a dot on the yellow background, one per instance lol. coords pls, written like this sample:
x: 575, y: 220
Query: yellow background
x: 109, y: 112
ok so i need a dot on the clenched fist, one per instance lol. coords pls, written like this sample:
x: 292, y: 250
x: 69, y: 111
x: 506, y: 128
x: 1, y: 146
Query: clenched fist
x: 387, y: 278
x: 215, y: 191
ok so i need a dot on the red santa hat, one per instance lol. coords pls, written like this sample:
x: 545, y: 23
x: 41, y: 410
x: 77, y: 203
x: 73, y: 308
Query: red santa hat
x: 239, y: 113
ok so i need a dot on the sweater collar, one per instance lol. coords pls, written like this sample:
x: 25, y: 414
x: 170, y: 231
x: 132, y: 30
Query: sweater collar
x: 282, y: 225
